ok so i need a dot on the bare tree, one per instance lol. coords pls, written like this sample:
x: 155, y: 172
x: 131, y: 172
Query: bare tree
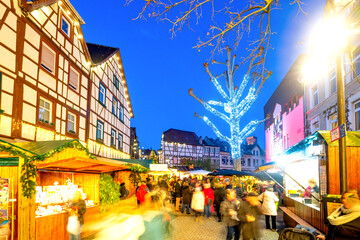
x: 234, y: 107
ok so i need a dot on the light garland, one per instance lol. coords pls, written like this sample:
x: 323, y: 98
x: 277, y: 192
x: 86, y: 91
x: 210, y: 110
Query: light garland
x: 234, y: 108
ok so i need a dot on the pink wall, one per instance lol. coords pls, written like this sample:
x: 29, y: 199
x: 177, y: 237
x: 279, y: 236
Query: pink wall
x: 292, y: 130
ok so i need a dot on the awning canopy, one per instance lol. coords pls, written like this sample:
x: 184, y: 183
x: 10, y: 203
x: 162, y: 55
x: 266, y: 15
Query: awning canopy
x: 265, y: 167
x: 60, y: 155
x: 143, y: 162
x: 227, y: 172
x: 187, y: 169
x: 198, y: 172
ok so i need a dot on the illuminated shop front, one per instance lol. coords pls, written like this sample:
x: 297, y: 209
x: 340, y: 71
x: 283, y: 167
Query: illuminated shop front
x: 311, y: 171
x: 40, y: 193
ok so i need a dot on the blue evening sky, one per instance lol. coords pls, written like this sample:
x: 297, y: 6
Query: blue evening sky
x: 160, y: 70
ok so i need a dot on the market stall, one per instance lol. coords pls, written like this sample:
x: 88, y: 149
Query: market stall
x: 52, y: 171
x: 311, y: 171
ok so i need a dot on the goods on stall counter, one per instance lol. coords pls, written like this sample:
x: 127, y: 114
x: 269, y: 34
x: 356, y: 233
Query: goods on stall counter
x: 55, y: 199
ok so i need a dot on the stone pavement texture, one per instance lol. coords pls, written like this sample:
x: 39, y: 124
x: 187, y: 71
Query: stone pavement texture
x: 185, y: 228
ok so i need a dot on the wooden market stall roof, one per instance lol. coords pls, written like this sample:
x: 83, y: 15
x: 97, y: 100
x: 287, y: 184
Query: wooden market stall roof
x: 65, y: 155
x: 143, y: 162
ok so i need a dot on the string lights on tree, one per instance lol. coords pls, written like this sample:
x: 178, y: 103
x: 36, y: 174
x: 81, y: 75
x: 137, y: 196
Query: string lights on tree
x: 233, y: 107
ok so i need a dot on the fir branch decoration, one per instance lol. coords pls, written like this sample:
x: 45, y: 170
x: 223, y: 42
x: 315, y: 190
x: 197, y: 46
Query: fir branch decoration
x: 137, y: 168
x: 28, y: 169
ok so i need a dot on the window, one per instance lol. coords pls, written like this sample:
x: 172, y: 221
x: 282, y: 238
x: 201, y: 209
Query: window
x: 356, y: 56
x: 114, y: 106
x: 315, y: 125
x: 357, y: 116
x: 47, y: 58
x: 100, y: 130
x: 263, y: 162
x: 242, y: 162
x: 194, y: 149
x: 71, y: 123
x: 102, y: 94
x: 116, y: 82
x: 121, y: 113
x: 223, y: 160
x: 175, y: 147
x: 120, y: 141
x: 333, y: 121
x: 65, y: 26
x: 113, y: 138
x: 332, y: 82
x: 257, y: 162
x: 45, y: 108
x: 249, y: 162
x: 254, y: 162
x: 315, y: 95
x: 73, y: 79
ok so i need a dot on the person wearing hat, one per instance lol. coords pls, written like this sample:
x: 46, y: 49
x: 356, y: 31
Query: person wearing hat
x: 248, y: 214
x: 268, y: 199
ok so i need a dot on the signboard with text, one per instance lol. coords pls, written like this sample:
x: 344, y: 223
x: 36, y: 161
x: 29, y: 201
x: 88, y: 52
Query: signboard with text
x: 338, y: 132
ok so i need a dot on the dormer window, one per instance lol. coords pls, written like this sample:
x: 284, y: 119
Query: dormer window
x: 65, y: 26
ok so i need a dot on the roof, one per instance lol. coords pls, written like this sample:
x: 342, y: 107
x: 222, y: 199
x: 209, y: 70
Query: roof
x: 247, y: 149
x: 228, y: 172
x: 209, y: 142
x: 187, y: 169
x: 100, y: 53
x: 147, y: 152
x: 42, y: 147
x: 143, y: 162
x: 181, y: 136
x: 37, y: 4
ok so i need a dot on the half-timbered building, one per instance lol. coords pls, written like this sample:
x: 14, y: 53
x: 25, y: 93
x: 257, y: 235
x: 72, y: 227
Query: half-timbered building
x: 212, y: 152
x: 52, y: 87
x: 178, y: 146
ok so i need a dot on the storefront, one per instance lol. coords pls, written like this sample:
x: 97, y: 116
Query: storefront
x: 311, y: 170
x: 39, y: 206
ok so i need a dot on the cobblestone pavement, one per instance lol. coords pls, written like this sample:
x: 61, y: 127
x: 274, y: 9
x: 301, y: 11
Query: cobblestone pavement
x: 185, y: 228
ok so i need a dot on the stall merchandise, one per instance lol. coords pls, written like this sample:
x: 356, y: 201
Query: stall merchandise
x: 311, y: 171
x: 41, y: 191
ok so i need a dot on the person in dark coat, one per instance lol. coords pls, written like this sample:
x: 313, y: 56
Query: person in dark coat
x: 248, y: 214
x: 229, y: 213
x: 219, y: 197
x: 186, y: 195
x: 178, y: 194
x: 163, y: 185
x: 239, y: 191
x: 345, y: 221
x: 123, y: 191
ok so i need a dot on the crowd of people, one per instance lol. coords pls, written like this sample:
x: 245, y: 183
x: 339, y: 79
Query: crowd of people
x: 237, y: 209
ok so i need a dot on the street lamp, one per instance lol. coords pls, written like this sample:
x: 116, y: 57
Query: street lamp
x: 328, y: 46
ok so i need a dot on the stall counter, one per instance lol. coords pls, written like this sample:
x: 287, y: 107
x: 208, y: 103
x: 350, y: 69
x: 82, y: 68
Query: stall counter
x: 53, y: 226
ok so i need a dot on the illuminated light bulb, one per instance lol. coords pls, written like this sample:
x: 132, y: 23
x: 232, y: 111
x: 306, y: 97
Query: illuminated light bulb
x: 80, y: 36
x: 68, y: 12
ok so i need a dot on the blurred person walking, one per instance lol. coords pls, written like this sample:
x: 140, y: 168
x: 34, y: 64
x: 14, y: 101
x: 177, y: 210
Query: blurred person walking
x: 268, y: 207
x: 219, y: 197
x: 76, y: 216
x: 197, y: 203
x: 229, y: 212
x: 141, y: 193
x: 209, y: 200
x: 186, y: 195
x: 178, y: 194
x: 248, y: 214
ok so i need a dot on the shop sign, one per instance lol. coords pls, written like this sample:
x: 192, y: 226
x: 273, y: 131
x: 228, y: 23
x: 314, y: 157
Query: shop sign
x: 335, y: 134
x: 338, y: 132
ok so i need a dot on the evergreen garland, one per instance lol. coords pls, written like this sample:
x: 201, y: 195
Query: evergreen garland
x: 137, y: 168
x: 28, y: 169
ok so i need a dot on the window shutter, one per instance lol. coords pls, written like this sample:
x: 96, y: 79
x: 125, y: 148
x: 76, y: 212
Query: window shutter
x: 47, y: 58
x: 73, y: 78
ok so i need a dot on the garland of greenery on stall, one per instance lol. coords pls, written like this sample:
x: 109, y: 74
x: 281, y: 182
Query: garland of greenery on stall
x: 137, y: 168
x: 28, y: 169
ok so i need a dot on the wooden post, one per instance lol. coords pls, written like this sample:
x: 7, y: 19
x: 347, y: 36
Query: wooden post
x: 26, y: 212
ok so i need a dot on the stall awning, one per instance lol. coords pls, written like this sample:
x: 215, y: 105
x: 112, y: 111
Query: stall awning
x: 199, y: 172
x: 143, y: 162
x: 227, y: 172
x: 187, y: 169
x: 266, y: 166
x: 64, y: 155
